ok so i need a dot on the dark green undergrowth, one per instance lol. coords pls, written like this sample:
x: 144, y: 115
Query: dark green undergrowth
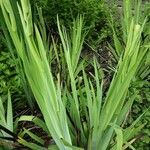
x: 95, y: 14
x: 9, y: 79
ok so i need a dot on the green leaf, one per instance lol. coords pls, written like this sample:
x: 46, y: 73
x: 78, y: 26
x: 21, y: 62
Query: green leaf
x: 9, y: 113
x: 119, y: 138
x: 30, y: 145
x: 69, y: 145
x: 33, y: 136
x: 36, y: 120
x: 53, y: 147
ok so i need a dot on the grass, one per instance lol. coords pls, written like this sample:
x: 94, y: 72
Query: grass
x: 76, y: 113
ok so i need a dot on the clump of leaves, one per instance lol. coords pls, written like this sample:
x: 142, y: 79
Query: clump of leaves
x: 141, y: 80
x: 101, y: 124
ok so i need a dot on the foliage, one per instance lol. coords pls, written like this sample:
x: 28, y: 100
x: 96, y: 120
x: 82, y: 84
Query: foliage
x: 8, y: 135
x: 8, y: 75
x: 95, y: 126
x: 76, y: 111
x: 94, y: 12
x: 14, y: 78
x: 141, y: 81
x: 6, y: 122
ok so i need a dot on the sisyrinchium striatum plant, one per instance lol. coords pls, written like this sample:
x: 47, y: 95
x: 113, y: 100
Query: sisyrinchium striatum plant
x: 76, y: 112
